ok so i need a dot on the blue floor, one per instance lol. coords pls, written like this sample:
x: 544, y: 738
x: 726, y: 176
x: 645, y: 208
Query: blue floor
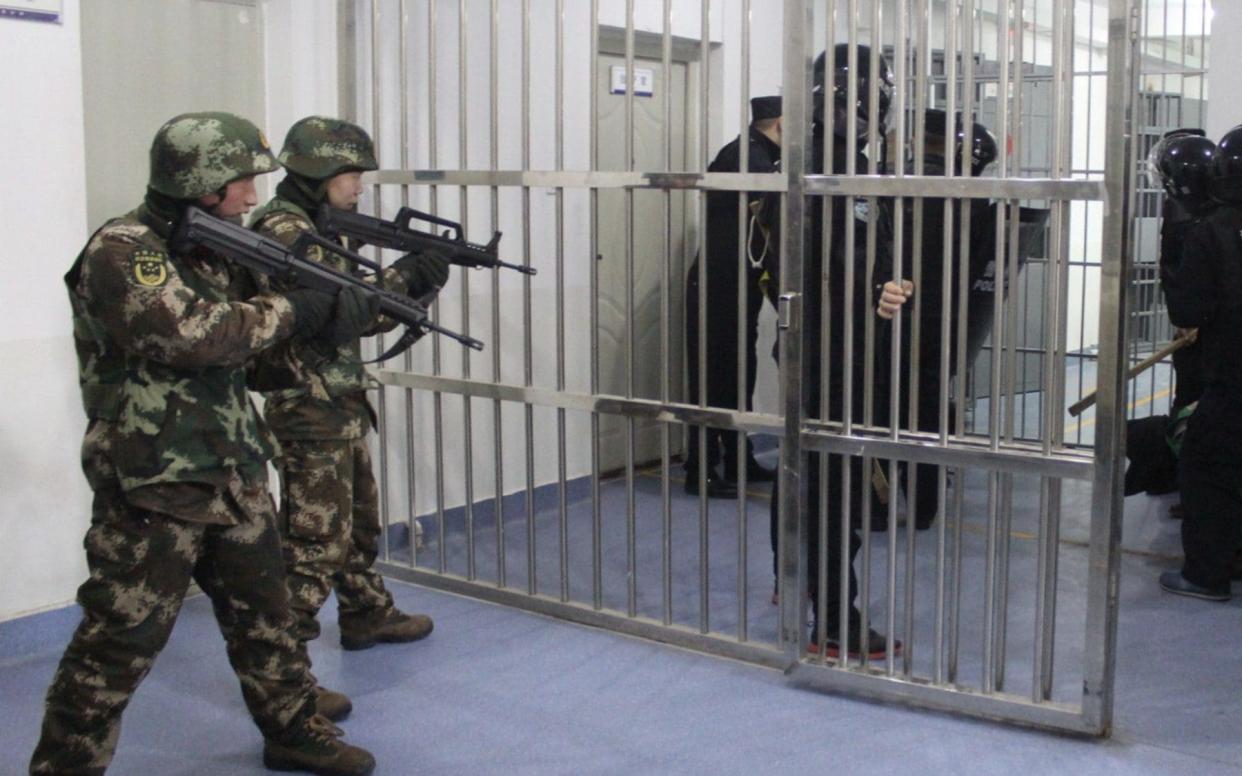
x: 500, y: 691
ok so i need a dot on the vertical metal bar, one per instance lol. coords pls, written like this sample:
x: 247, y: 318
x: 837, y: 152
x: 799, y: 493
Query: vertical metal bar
x: 1041, y: 658
x: 463, y: 152
x: 410, y: 470
x: 436, y: 367
x: 528, y: 351
x: 922, y: 63
x: 743, y: 329
x: 894, y: 395
x: 847, y: 366
x: 666, y: 316
x: 1100, y: 654
x: 874, y: 146
x: 597, y: 552
x: 382, y: 396
x: 631, y: 549
x: 947, y: 259
x: 704, y: 132
x: 797, y: 70
x: 1059, y: 319
x: 963, y: 290
x: 989, y: 586
x: 824, y: 365
x: 502, y: 579
x: 561, y: 444
x: 1015, y: 30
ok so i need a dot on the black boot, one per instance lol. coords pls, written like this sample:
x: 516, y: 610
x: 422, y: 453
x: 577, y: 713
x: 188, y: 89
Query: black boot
x: 717, y: 486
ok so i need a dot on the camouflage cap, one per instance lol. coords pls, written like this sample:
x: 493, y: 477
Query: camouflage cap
x: 196, y: 154
x: 318, y: 147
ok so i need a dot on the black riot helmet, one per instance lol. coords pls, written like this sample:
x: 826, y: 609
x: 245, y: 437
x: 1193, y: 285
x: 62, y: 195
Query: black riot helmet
x: 981, y: 143
x: 840, y: 89
x: 1226, y: 169
x: 1182, y: 160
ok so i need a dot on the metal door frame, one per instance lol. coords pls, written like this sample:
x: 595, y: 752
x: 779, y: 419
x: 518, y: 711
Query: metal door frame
x: 1102, y: 466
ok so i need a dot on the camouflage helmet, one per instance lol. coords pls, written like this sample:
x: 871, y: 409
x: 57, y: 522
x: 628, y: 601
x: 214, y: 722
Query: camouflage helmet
x: 196, y: 154
x: 318, y: 147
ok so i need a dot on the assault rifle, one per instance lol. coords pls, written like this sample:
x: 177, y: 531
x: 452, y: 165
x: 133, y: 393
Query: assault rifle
x: 398, y: 235
x: 269, y: 257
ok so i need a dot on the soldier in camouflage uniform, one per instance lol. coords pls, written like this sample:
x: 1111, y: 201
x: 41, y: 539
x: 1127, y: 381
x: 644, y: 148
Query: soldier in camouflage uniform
x: 175, y: 454
x: 317, y: 406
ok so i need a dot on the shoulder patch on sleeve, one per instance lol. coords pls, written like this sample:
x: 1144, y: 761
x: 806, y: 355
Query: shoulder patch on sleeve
x: 148, y: 268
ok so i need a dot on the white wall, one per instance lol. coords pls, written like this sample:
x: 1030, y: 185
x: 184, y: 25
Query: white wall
x: 1224, y: 86
x: 44, y: 501
x: 300, y: 61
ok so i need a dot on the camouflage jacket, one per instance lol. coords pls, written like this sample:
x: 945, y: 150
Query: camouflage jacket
x: 162, y: 341
x: 310, y: 393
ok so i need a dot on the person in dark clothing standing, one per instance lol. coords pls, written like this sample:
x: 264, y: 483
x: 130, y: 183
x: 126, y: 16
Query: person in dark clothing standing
x: 720, y: 340
x: 942, y: 153
x: 857, y: 214
x: 1203, y: 288
x: 1181, y: 162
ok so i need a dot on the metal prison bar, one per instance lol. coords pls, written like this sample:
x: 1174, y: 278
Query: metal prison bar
x: 615, y: 549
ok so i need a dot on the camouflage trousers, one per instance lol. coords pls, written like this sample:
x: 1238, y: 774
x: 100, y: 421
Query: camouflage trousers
x: 331, y: 531
x: 140, y: 565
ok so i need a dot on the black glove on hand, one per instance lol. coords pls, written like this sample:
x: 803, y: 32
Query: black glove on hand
x: 423, y: 272
x: 356, y: 311
x: 311, y: 310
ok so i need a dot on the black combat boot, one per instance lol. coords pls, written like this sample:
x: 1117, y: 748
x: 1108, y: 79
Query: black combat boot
x: 360, y: 631
x: 314, y: 746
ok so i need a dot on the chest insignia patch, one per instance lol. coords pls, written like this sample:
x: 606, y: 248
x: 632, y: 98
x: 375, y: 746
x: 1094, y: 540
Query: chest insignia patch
x: 150, y: 268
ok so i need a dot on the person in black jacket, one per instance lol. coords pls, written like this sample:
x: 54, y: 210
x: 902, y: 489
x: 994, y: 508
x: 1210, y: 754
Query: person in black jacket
x: 1181, y: 161
x: 856, y: 214
x: 939, y: 152
x: 721, y: 342
x: 1203, y: 288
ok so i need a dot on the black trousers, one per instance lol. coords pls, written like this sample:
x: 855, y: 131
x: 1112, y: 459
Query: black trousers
x: 925, y: 498
x: 1210, y: 476
x: 721, y: 349
x: 812, y: 507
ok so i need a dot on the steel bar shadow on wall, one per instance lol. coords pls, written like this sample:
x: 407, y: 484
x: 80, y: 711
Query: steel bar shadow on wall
x: 546, y: 473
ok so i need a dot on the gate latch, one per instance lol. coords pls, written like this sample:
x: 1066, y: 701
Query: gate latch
x: 788, y: 307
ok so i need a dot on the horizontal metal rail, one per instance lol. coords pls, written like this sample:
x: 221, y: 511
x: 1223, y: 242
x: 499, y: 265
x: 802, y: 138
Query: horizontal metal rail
x: 583, y: 179
x: 914, y: 446
x: 585, y: 402
x: 853, y: 680
x: 855, y: 185
x: 941, y: 187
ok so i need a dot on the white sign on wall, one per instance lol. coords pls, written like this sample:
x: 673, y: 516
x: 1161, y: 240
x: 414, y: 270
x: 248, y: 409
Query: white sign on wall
x: 644, y: 81
x: 32, y: 10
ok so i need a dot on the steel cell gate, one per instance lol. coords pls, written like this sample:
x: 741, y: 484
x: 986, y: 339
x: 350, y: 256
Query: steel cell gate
x: 544, y: 472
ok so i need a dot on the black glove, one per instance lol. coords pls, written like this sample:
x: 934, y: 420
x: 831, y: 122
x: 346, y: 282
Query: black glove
x: 424, y: 272
x: 356, y: 311
x: 311, y: 310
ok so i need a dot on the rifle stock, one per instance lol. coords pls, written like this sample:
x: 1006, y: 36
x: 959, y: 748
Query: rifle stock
x: 269, y: 257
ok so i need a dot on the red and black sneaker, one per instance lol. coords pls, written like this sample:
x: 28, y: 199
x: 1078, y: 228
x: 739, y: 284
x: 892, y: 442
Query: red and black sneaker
x: 877, y: 645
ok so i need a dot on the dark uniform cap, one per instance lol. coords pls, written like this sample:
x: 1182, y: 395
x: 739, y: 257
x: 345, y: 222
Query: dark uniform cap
x: 983, y: 147
x: 1183, y: 163
x: 318, y: 147
x: 765, y: 108
x: 196, y: 154
x: 1226, y: 170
